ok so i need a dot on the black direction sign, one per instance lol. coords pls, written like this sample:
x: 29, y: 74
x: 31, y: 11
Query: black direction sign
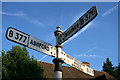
x: 24, y: 39
x: 79, y: 24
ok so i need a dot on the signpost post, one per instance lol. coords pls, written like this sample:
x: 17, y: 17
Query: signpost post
x: 24, y: 39
x: 57, y: 61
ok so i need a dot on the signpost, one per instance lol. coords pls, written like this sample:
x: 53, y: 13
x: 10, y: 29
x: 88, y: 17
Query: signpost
x: 29, y: 41
x: 79, y: 24
x: 24, y: 39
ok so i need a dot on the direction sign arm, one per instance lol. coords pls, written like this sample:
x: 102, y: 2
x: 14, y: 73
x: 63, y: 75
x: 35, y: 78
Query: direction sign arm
x: 24, y: 39
x: 79, y: 24
x: 76, y: 64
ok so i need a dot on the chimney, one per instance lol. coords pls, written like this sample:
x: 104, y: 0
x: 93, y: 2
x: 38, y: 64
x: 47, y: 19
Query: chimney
x: 88, y: 64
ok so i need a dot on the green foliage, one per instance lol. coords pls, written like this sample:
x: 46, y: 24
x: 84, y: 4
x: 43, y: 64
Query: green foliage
x: 107, y: 67
x: 114, y: 71
x: 17, y: 64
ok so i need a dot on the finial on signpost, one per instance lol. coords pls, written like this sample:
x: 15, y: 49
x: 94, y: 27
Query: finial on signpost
x: 58, y: 31
x: 58, y: 27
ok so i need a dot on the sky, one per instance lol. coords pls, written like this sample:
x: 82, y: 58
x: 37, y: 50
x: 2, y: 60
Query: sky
x: 94, y: 43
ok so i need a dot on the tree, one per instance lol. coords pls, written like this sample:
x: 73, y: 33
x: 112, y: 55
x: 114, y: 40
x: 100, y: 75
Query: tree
x: 107, y: 67
x: 114, y: 71
x: 17, y: 64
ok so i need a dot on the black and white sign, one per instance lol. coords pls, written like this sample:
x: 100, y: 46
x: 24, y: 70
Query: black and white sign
x: 79, y: 24
x: 29, y: 41
x: 76, y: 64
x: 17, y: 36
x: 41, y: 46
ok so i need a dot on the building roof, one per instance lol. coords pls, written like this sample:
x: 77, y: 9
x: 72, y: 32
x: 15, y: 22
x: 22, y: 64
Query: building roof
x: 70, y: 73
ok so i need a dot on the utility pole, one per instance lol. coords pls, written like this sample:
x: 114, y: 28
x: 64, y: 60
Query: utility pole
x: 57, y: 61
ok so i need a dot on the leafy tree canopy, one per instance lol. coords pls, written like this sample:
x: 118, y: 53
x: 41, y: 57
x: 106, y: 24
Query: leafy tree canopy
x: 114, y: 71
x: 17, y: 64
x: 108, y: 66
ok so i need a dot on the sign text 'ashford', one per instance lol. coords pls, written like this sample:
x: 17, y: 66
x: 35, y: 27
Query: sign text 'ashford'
x: 79, y: 24
x: 29, y: 41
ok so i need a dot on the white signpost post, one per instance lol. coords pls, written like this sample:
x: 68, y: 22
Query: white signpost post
x: 24, y: 39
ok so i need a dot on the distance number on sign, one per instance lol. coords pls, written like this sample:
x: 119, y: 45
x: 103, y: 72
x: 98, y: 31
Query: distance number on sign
x: 86, y: 18
x: 17, y: 36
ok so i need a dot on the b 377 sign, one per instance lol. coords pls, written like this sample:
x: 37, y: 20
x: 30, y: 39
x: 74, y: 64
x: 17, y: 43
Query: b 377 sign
x: 29, y: 41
